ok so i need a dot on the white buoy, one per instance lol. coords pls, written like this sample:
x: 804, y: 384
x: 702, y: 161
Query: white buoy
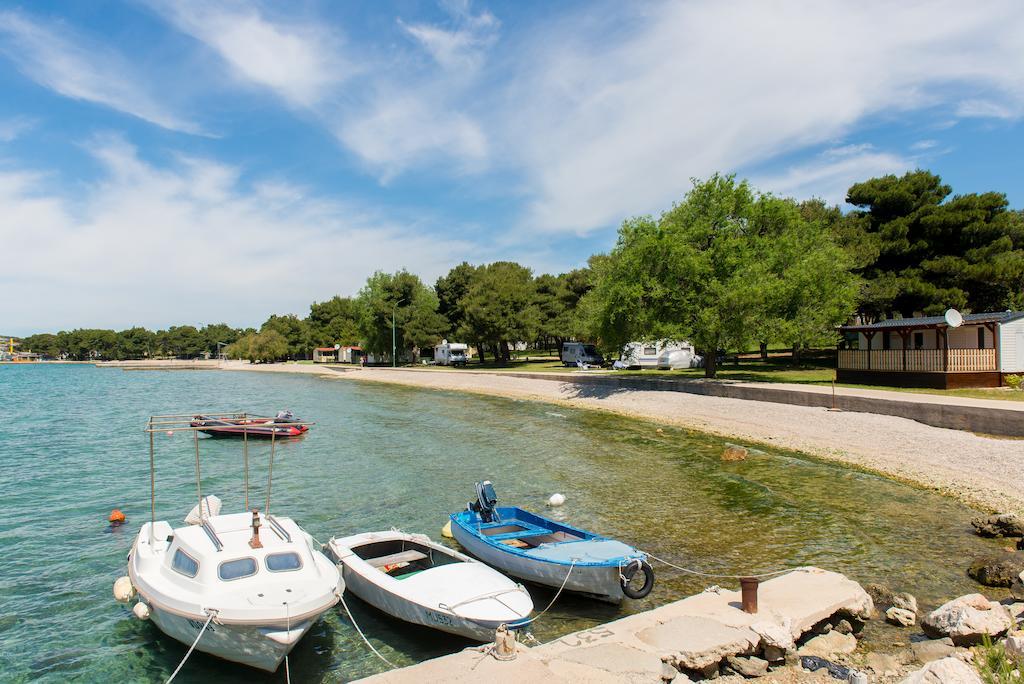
x: 123, y: 589
x: 141, y: 610
x: 556, y: 500
x: 446, y: 531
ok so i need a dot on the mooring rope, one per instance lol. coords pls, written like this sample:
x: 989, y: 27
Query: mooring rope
x: 530, y: 621
x: 354, y: 624
x: 719, y: 576
x: 174, y: 674
x: 288, y: 625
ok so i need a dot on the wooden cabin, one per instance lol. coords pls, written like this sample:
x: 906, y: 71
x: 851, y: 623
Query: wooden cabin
x: 928, y: 352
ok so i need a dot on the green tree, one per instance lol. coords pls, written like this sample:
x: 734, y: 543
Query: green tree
x: 335, y: 321
x: 295, y: 331
x: 934, y: 251
x: 136, y: 343
x: 46, y: 344
x: 417, y: 323
x: 265, y: 347
x: 216, y: 336
x: 500, y: 306
x: 558, y: 299
x: 725, y: 267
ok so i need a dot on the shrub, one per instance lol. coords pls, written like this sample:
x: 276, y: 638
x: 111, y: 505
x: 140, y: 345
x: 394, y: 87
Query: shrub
x: 1015, y: 381
x: 993, y: 664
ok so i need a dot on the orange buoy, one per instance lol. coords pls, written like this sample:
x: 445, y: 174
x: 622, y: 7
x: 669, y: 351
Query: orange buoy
x: 116, y: 517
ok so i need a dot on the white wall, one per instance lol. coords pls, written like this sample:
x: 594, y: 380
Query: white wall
x: 1011, y: 347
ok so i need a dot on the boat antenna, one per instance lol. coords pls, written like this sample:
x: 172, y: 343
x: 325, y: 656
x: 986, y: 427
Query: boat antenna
x: 199, y: 487
x: 152, y: 485
x: 245, y: 457
x: 270, y: 474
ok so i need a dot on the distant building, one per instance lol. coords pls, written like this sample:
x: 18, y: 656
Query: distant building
x: 339, y: 354
x: 928, y: 352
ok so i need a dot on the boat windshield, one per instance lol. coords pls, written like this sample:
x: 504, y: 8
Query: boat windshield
x: 283, y: 562
x: 185, y: 564
x: 237, y: 569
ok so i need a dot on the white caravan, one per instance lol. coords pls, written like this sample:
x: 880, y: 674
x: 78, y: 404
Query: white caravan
x: 451, y: 353
x: 664, y: 354
x: 575, y: 353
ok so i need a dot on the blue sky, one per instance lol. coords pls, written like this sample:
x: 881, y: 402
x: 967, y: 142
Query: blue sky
x: 189, y: 162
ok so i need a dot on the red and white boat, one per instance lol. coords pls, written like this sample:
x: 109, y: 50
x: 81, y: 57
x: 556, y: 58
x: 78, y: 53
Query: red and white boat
x: 282, y: 426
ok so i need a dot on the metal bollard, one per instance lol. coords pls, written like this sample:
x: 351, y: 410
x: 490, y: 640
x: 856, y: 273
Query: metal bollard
x: 748, y: 592
x: 504, y: 644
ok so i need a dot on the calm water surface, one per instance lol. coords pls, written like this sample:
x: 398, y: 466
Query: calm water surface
x: 72, y: 448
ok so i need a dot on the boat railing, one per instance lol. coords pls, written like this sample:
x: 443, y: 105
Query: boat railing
x: 212, y: 534
x: 277, y: 527
x: 182, y: 422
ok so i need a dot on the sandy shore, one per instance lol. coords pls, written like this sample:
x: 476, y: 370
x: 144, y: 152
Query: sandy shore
x: 980, y: 471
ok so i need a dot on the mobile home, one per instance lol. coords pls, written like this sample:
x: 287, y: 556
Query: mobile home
x: 451, y: 353
x: 574, y: 353
x: 665, y: 354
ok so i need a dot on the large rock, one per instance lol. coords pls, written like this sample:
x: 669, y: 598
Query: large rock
x: 749, y: 666
x: 1014, y: 646
x: 966, y: 619
x: 734, y: 452
x: 944, y: 671
x: 905, y: 601
x: 830, y: 644
x: 932, y: 649
x: 999, y: 570
x: 1004, y: 525
x: 881, y: 595
x: 900, y: 617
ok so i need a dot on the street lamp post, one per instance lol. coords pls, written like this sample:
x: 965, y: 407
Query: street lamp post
x: 394, y: 360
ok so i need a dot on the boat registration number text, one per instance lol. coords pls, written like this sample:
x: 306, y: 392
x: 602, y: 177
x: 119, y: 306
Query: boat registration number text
x: 438, y: 618
x: 199, y: 625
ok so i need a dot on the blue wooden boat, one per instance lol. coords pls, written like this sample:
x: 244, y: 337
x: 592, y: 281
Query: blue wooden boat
x: 543, y: 551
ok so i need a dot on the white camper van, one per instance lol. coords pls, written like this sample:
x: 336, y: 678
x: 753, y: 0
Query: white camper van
x: 451, y: 354
x: 664, y: 354
x: 575, y: 353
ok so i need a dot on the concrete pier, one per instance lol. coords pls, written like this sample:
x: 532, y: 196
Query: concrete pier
x: 691, y: 635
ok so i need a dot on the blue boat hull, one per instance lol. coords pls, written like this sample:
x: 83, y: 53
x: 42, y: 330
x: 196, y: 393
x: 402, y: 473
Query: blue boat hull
x: 545, y: 552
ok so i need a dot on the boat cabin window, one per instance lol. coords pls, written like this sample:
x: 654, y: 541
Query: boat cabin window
x: 237, y: 569
x: 283, y: 562
x: 185, y: 564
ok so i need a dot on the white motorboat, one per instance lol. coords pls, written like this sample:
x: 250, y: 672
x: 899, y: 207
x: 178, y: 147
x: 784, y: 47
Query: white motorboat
x: 414, y: 579
x: 245, y: 587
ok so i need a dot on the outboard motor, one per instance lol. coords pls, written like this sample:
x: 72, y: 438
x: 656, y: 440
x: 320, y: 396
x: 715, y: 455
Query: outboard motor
x: 486, y: 502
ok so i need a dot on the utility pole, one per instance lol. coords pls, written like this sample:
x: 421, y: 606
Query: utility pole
x: 394, y: 359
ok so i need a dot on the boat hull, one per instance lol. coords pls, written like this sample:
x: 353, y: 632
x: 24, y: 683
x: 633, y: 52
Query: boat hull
x: 409, y: 611
x: 246, y: 644
x: 597, y: 581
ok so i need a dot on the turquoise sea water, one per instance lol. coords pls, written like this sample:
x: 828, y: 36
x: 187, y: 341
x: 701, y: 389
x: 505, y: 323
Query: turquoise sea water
x: 72, y: 449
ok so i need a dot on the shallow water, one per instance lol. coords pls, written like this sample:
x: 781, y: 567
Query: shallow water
x: 72, y: 448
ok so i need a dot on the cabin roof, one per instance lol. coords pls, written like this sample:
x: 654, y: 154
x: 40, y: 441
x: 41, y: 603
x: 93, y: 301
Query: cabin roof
x: 999, y: 317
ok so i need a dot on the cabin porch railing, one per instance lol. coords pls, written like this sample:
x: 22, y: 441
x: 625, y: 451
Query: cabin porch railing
x: 919, y: 360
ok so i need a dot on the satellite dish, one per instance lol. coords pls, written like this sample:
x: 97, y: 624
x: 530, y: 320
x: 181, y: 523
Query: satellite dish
x: 337, y: 347
x: 954, y: 319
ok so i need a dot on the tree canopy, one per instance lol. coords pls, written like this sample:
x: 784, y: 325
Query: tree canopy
x: 417, y: 323
x: 923, y: 251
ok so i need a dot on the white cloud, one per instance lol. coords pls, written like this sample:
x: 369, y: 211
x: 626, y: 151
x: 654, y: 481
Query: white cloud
x: 829, y: 176
x: 460, y: 46
x: 189, y: 243
x: 83, y: 69
x: 12, y: 129
x: 986, y: 109
x: 922, y: 145
x: 399, y: 130
x: 612, y: 117
x: 300, y: 62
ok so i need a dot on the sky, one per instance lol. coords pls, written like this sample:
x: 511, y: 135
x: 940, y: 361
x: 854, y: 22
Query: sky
x: 169, y: 163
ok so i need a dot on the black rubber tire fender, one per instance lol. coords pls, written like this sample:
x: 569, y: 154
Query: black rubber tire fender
x: 627, y: 575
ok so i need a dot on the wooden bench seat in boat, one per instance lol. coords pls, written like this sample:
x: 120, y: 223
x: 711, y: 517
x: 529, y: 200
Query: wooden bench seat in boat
x: 410, y: 556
